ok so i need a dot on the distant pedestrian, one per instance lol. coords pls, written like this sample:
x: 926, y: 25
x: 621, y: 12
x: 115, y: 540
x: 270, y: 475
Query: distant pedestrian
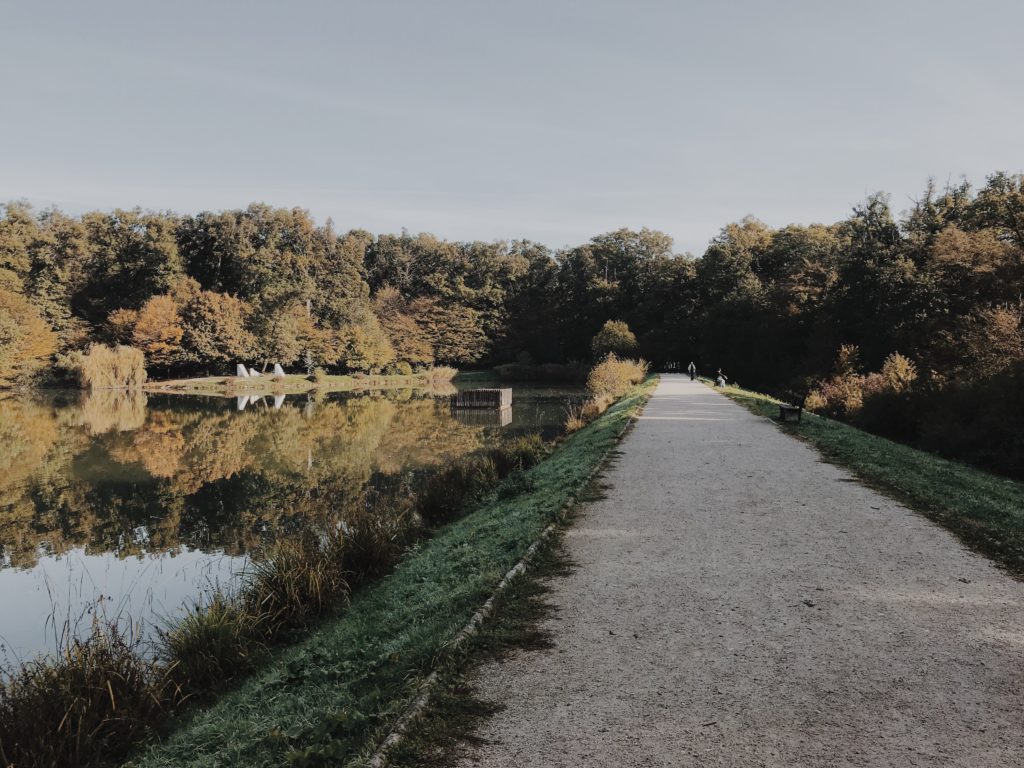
x: 720, y: 378
x: 693, y: 370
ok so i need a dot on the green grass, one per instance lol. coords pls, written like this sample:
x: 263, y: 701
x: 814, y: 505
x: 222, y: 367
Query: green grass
x: 985, y: 511
x: 455, y: 714
x: 327, y: 700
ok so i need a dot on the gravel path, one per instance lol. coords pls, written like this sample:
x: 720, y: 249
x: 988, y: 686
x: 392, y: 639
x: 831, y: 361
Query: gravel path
x: 738, y: 602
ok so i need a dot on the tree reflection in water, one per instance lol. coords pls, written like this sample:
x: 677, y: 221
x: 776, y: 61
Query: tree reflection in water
x: 90, y: 484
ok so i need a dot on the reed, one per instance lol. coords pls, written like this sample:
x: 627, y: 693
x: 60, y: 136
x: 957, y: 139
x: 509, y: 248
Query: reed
x: 91, y: 703
x: 104, y: 367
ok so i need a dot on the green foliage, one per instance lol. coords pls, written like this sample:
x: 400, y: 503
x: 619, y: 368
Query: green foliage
x: 614, y: 338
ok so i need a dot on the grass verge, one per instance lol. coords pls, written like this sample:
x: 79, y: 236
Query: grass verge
x: 985, y: 511
x: 455, y: 714
x: 329, y: 699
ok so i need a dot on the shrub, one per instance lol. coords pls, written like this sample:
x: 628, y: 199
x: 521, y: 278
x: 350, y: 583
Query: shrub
x: 574, y: 420
x: 377, y: 538
x: 319, y: 377
x: 214, y: 642
x: 91, y: 703
x: 578, y: 416
x: 520, y: 453
x: 899, y: 372
x: 103, y: 367
x: 440, y: 375
x: 448, y: 490
x: 613, y: 377
x: 300, y: 579
x: 614, y: 338
x: 403, y: 368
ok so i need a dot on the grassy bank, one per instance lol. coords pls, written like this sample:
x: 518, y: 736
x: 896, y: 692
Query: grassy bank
x: 985, y: 511
x: 328, y: 699
x: 97, y: 696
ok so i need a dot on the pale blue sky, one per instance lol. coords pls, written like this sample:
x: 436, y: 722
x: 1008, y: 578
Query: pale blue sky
x: 548, y: 120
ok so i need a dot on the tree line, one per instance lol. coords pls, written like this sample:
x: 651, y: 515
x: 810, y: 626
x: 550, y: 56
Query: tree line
x: 796, y: 309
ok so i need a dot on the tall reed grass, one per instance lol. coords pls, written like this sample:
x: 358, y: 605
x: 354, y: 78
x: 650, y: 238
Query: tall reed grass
x: 104, y: 367
x: 88, y: 705
x: 448, y: 491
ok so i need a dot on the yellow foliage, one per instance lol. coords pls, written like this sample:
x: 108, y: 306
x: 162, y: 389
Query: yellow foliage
x: 103, y: 367
x: 613, y: 377
x: 899, y: 372
x: 158, y: 330
x: 26, y: 341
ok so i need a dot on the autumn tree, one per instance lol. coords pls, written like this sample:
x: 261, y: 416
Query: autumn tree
x: 404, y: 332
x: 215, y: 326
x: 453, y: 331
x: 26, y: 341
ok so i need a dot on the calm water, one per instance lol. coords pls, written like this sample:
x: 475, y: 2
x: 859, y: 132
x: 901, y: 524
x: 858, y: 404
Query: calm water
x: 134, y: 505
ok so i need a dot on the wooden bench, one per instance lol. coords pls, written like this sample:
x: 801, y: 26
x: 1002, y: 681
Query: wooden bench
x: 792, y: 412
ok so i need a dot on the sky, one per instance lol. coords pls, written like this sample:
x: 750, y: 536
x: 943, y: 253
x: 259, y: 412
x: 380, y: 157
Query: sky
x: 553, y: 121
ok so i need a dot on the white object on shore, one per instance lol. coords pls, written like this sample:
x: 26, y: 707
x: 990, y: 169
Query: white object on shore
x: 278, y: 370
x: 241, y: 372
x: 253, y: 373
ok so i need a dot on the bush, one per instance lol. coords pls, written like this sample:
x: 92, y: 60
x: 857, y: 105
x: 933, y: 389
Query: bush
x: 376, y: 540
x: 520, y: 453
x: 446, y: 492
x: 300, y: 579
x: 319, y: 377
x: 450, y: 489
x: 574, y: 420
x: 613, y: 377
x: 578, y: 416
x: 614, y: 338
x: 899, y: 372
x: 103, y: 367
x: 92, y: 703
x: 214, y: 642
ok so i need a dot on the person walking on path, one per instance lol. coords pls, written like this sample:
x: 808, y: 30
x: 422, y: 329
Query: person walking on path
x: 693, y: 370
x: 720, y: 378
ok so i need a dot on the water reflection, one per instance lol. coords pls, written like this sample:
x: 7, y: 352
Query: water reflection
x: 115, y: 501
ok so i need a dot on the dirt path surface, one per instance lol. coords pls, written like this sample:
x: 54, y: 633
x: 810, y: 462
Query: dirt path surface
x: 738, y: 602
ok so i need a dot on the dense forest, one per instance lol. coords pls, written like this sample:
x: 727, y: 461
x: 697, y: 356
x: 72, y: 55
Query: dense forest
x: 909, y: 325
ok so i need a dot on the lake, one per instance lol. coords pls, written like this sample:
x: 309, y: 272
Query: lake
x: 133, y: 506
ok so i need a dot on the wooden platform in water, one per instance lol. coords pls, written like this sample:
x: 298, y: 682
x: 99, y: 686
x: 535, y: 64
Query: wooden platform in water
x: 483, y: 398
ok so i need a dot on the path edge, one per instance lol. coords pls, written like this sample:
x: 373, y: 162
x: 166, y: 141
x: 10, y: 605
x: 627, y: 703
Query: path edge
x: 380, y: 757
